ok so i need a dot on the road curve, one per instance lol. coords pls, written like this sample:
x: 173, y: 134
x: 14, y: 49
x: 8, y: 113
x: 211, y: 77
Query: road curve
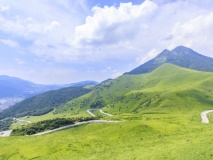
x: 104, y: 112
x: 204, y: 116
x: 72, y: 125
x: 88, y: 111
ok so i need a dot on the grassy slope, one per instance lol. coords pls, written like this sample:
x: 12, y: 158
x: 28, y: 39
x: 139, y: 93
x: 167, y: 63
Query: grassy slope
x: 140, y: 138
x: 161, y: 113
x: 168, y: 88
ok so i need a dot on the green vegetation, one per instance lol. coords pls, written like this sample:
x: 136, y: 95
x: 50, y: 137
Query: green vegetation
x: 43, y: 103
x: 5, y: 124
x: 45, y: 125
x: 41, y: 126
x: 145, y: 136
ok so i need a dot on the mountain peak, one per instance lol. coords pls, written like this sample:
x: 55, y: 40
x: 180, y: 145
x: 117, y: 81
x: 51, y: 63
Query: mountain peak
x: 183, y: 50
x: 180, y: 56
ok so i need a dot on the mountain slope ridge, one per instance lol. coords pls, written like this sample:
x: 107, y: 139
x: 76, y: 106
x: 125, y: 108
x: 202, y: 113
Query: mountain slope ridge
x: 155, y: 90
x: 180, y: 56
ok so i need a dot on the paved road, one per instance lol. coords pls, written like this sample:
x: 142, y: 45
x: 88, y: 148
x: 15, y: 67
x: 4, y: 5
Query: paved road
x: 204, y: 116
x: 5, y: 133
x: 72, y: 125
x: 88, y: 111
x: 104, y: 112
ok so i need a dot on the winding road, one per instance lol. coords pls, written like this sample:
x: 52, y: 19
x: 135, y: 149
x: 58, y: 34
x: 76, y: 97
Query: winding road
x: 72, y: 125
x: 204, y: 116
x: 88, y: 111
x: 80, y: 123
x: 7, y: 133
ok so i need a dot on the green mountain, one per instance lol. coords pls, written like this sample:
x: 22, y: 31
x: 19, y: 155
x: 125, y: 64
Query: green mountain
x: 43, y: 103
x: 180, y: 56
x: 167, y: 88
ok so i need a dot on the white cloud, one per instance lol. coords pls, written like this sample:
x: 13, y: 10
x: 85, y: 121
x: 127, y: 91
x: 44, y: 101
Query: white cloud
x: 151, y: 54
x: 44, y: 28
x: 121, y: 32
x: 9, y: 42
x: 116, y: 74
x: 110, y: 25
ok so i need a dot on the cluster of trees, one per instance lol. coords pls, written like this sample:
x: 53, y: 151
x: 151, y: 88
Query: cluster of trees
x: 45, y: 125
x: 5, y: 124
x: 43, y: 103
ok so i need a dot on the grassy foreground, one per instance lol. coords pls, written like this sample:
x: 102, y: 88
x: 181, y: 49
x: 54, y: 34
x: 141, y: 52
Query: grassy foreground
x: 145, y: 136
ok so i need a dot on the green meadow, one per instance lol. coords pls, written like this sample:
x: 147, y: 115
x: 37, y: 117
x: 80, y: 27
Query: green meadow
x: 159, y: 114
x: 145, y: 136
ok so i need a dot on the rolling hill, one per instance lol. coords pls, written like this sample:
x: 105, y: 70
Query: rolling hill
x: 168, y: 88
x: 180, y: 56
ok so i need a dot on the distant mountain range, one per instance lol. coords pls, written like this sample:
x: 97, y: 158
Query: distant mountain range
x: 180, y: 56
x: 13, y: 90
x: 43, y: 103
x: 11, y: 87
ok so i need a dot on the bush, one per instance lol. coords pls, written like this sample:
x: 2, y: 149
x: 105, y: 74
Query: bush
x: 45, y: 125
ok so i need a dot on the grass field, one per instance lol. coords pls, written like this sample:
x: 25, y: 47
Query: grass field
x: 145, y: 136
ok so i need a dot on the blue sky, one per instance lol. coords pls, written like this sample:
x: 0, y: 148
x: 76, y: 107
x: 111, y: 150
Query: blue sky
x: 52, y: 41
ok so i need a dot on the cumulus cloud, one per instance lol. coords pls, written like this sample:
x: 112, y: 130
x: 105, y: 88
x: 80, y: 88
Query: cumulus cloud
x: 46, y: 26
x: 113, y: 25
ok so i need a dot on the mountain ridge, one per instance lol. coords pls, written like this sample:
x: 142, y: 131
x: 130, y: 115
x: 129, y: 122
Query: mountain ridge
x: 13, y: 87
x: 180, y: 56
